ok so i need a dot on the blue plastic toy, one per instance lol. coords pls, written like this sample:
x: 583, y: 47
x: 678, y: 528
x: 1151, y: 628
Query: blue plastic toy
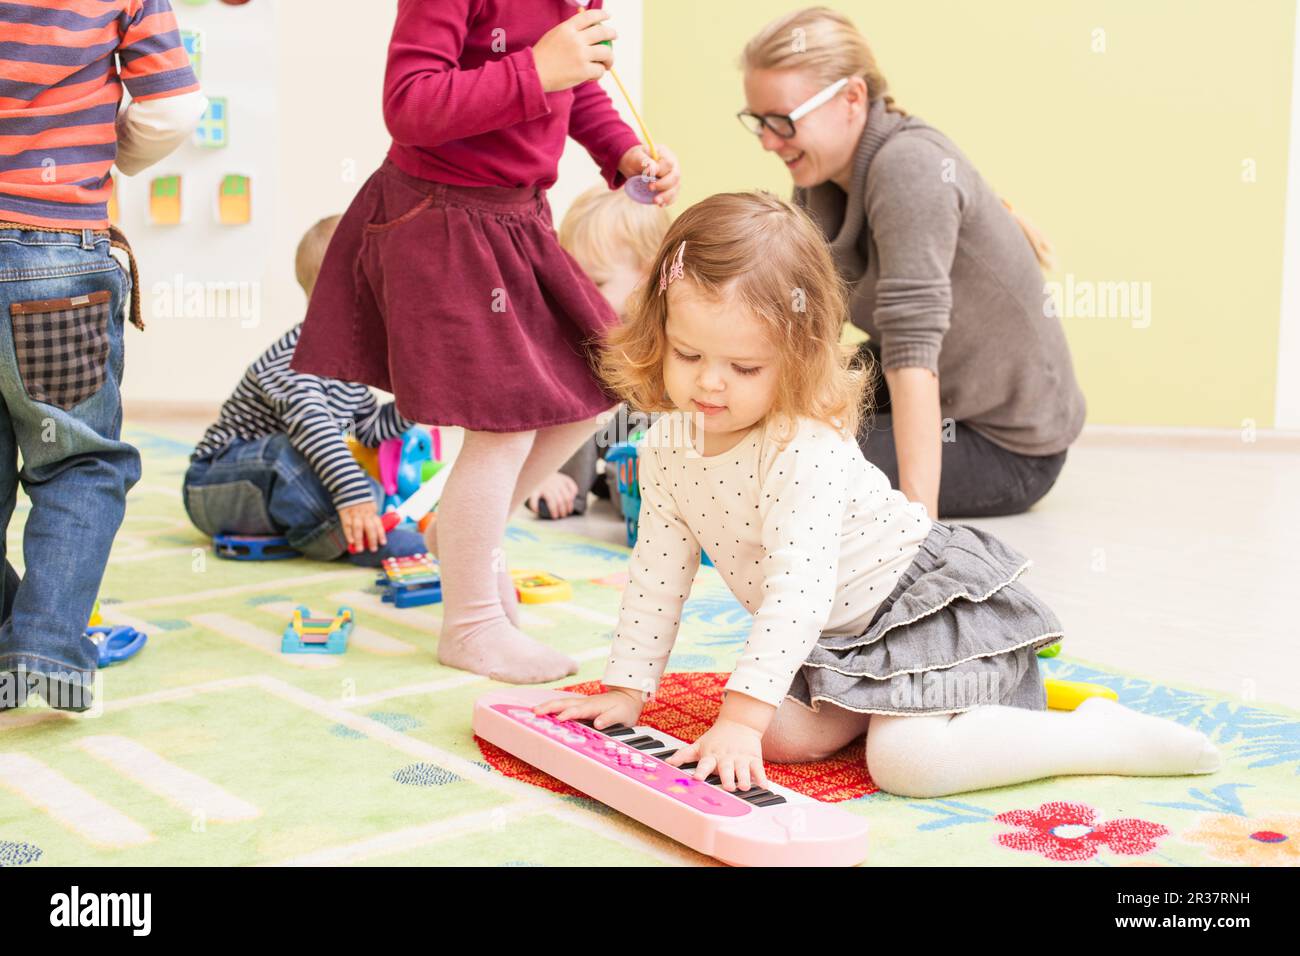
x: 411, y: 581
x: 116, y: 644
x: 412, y: 594
x: 417, y: 448
x: 317, y: 635
x: 253, y: 547
x: 403, y: 471
x: 623, y: 457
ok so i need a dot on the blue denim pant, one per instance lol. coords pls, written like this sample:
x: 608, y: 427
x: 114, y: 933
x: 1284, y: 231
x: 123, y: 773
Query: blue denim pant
x: 266, y: 486
x: 75, y: 469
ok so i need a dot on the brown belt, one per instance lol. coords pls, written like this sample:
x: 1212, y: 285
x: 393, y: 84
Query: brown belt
x: 117, y: 239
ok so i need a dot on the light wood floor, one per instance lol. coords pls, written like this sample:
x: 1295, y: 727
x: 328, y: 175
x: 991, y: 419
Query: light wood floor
x: 1168, y: 556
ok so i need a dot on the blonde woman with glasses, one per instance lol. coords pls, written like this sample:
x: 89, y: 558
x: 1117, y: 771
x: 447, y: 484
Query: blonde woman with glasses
x: 978, y: 402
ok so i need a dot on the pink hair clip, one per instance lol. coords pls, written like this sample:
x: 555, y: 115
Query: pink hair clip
x: 668, y: 276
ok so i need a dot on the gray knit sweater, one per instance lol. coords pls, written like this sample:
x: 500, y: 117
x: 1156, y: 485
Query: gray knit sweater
x: 943, y: 278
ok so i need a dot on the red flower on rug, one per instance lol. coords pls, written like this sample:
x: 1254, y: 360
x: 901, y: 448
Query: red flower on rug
x: 686, y: 705
x: 1069, y: 832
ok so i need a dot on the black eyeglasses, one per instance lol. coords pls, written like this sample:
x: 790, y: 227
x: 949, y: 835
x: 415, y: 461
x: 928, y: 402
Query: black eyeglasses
x: 783, y: 124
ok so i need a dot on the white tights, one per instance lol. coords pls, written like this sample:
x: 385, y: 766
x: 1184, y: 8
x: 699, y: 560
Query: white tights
x: 992, y: 746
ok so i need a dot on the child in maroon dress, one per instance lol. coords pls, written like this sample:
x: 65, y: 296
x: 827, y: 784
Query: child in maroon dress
x: 445, y: 283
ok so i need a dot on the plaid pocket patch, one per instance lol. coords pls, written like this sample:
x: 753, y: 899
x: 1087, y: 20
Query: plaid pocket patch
x: 62, y: 347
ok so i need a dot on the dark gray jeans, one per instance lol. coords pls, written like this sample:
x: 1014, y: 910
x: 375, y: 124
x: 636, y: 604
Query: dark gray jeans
x: 979, y: 478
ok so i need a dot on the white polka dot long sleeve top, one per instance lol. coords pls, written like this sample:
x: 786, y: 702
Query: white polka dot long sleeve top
x: 809, y: 536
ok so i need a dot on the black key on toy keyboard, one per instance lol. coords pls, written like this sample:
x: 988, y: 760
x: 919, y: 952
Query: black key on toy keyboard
x: 713, y: 779
x: 689, y: 766
x: 617, y: 730
x: 771, y: 801
x: 753, y: 794
x: 651, y: 744
x: 665, y: 755
x: 638, y: 740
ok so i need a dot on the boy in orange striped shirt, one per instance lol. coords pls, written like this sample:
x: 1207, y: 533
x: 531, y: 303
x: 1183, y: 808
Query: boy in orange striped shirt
x: 63, y: 299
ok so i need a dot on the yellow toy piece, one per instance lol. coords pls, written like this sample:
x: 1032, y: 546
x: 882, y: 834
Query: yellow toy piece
x: 317, y: 629
x: 1069, y: 694
x: 95, y: 619
x: 538, y: 587
x: 367, y: 458
x: 317, y: 635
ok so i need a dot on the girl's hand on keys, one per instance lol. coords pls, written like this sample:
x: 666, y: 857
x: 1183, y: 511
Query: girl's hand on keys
x: 730, y: 749
x: 618, y: 705
x: 573, y: 52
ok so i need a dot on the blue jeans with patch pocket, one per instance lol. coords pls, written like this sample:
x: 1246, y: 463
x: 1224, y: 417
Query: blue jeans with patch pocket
x: 266, y: 486
x: 63, y: 300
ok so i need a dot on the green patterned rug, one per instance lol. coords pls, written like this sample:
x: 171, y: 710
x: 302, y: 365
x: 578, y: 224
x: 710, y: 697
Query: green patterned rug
x: 213, y: 748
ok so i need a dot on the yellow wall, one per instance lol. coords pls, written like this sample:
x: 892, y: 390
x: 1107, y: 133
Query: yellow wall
x: 1131, y: 160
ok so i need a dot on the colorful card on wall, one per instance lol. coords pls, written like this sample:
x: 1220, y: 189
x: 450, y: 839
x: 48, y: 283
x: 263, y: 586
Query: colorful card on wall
x: 192, y: 40
x: 165, y: 201
x: 235, y: 200
x: 213, y: 131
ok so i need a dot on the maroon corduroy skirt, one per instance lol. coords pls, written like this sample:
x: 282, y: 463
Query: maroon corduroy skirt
x: 459, y: 301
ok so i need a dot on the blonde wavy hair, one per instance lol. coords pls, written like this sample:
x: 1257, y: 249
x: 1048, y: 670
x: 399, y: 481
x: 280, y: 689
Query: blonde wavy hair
x: 603, y: 223
x: 825, y: 44
x: 311, y: 252
x: 766, y: 255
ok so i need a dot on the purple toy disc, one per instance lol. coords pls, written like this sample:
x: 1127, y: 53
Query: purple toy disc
x: 638, y: 187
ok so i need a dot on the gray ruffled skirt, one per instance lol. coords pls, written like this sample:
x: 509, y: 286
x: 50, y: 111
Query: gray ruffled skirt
x: 958, y: 631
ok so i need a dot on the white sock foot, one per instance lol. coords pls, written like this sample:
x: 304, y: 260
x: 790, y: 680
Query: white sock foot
x: 1149, y: 746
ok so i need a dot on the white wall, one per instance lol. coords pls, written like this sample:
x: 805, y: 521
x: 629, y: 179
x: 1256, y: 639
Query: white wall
x: 322, y: 137
x: 184, y: 354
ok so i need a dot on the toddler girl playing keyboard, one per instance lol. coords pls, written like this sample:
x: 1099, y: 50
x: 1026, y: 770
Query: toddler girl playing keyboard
x: 869, y: 616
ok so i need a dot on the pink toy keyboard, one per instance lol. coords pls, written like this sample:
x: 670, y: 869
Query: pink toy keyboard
x: 624, y: 768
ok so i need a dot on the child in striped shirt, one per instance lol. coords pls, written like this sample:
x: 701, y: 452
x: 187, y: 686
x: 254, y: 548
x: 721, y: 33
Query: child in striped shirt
x: 276, y: 462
